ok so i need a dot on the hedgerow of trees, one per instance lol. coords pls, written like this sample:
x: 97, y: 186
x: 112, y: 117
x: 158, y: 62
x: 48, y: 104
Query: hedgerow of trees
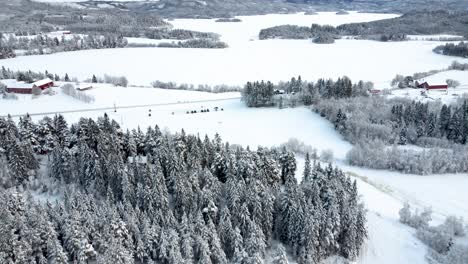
x: 379, y: 128
x: 451, y: 49
x: 153, y: 197
x: 296, y: 91
x: 394, y: 29
x: 441, y: 239
x: 43, y: 44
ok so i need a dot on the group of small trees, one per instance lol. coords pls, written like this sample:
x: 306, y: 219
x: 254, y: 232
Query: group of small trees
x: 297, y: 91
x: 319, y: 34
x: 30, y: 76
x: 202, y: 43
x: 380, y: 122
x: 440, y: 239
x: 70, y: 90
x: 43, y: 44
x: 451, y: 49
x: 166, y: 198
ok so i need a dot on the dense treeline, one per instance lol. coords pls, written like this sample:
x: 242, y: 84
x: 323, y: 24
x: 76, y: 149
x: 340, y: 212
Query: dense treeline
x: 44, y: 44
x: 318, y: 33
x: 379, y: 128
x: 395, y: 29
x: 136, y: 197
x: 413, y: 23
x: 28, y: 76
x: 297, y: 91
x: 195, y: 43
x: 451, y: 49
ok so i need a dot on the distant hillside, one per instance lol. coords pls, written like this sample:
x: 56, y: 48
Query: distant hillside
x: 394, y: 29
x: 227, y: 8
x: 412, y: 23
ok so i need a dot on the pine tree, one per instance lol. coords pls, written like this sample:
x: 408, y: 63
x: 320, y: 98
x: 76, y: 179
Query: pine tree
x: 307, y: 170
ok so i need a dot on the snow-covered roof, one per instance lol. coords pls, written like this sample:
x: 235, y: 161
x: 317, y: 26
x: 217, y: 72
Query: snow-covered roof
x: 42, y: 82
x: 13, y: 83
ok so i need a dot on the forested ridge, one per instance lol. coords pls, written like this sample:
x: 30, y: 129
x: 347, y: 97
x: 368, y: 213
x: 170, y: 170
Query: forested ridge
x: 154, y: 197
x: 393, y: 29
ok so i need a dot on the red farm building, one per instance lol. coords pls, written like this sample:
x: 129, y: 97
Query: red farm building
x: 429, y: 87
x: 13, y: 86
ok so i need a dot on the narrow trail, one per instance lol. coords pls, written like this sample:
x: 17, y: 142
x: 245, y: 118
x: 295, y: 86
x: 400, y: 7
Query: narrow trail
x: 121, y: 107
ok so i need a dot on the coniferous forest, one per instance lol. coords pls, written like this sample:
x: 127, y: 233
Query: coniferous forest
x: 93, y: 193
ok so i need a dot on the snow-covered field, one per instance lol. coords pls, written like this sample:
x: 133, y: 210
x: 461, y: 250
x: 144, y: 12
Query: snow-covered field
x: 273, y: 60
x: 250, y: 59
x: 383, y: 192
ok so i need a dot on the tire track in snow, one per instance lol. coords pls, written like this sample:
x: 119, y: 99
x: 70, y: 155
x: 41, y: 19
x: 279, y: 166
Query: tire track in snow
x: 122, y: 107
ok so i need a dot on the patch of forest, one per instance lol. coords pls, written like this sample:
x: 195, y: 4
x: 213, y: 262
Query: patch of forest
x: 451, y: 49
x: 153, y: 197
x: 104, y: 26
x: 394, y: 29
x: 396, y: 134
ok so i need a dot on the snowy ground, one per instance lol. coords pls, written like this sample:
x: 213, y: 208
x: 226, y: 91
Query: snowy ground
x: 390, y: 242
x: 384, y: 192
x: 248, y: 57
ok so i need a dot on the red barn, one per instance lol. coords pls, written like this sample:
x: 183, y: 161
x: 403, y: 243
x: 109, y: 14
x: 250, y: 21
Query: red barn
x: 423, y: 85
x: 428, y: 87
x: 437, y: 87
x: 13, y: 86
x: 44, y: 84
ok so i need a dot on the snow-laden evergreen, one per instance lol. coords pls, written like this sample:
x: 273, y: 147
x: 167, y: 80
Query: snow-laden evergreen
x: 152, y: 197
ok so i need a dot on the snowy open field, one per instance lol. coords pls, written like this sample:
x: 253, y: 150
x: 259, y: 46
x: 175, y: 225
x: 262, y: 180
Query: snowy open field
x: 250, y: 59
x: 383, y: 192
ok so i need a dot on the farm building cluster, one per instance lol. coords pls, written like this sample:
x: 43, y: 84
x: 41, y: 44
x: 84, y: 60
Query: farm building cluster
x: 20, y: 87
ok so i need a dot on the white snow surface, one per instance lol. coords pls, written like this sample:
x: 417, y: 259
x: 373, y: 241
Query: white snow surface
x: 383, y: 192
x: 250, y: 58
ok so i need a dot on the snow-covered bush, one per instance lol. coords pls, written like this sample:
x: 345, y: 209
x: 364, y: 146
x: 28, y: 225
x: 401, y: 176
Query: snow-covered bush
x: 36, y: 91
x: 326, y: 155
x: 10, y: 96
x: 415, y: 220
x: 48, y: 91
x: 299, y: 147
x: 2, y: 88
x: 435, y: 238
x: 69, y: 89
x: 453, y: 226
x: 440, y: 239
x: 458, y: 66
x: 452, y: 83
x: 116, y: 80
x: 458, y: 254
